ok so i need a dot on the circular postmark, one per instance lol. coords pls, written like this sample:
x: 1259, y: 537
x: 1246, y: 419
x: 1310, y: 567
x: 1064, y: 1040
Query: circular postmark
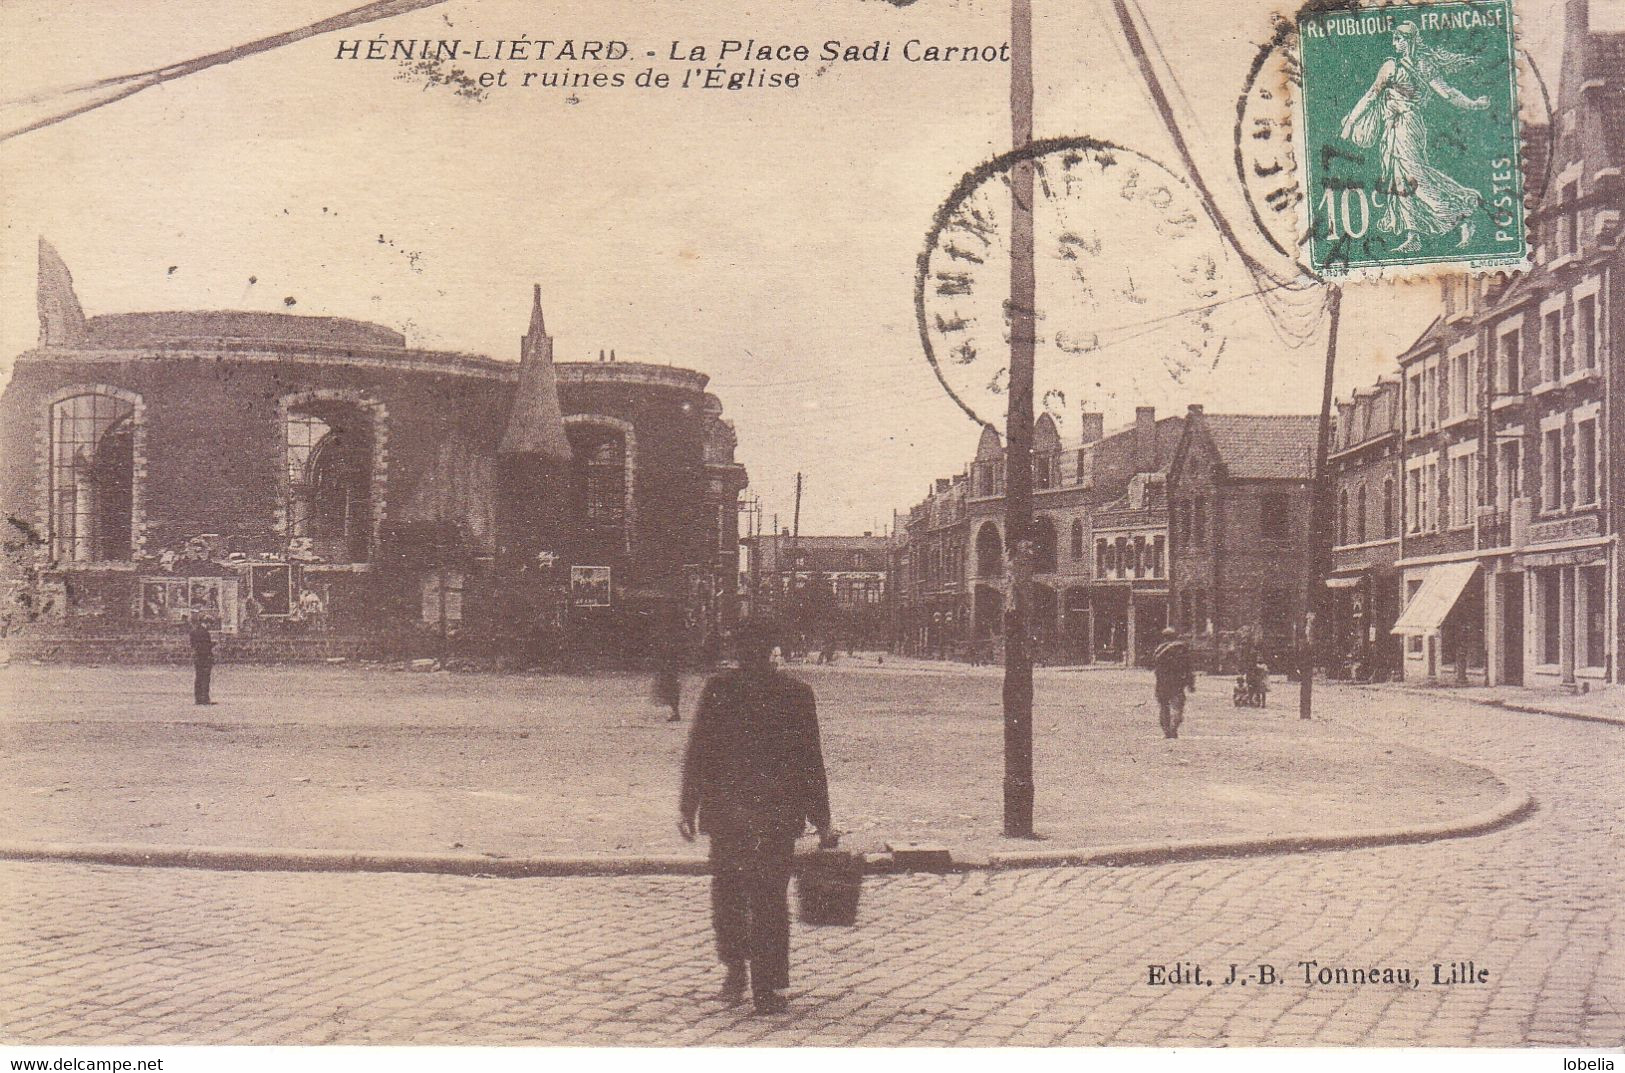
x: 1270, y: 136
x: 1128, y: 271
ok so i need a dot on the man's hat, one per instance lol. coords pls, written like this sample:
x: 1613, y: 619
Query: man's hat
x: 1169, y: 631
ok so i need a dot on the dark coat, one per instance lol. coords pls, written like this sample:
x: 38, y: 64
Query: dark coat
x: 1172, y: 663
x: 202, y: 645
x: 754, y: 764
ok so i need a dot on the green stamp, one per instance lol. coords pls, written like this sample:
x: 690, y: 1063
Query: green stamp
x: 1412, y: 149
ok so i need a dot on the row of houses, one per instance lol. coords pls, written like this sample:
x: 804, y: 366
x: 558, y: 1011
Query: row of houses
x: 1199, y: 521
x: 1476, y: 488
x: 1479, y: 485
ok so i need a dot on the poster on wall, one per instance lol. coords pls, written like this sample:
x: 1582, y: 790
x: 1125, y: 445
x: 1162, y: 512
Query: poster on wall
x: 589, y: 586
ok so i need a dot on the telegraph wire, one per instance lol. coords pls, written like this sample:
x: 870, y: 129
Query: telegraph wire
x: 109, y: 90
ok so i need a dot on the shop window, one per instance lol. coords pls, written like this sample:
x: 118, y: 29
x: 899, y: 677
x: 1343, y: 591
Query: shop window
x: 1593, y: 589
x: 1413, y: 641
x: 92, y: 478
x: 1550, y: 583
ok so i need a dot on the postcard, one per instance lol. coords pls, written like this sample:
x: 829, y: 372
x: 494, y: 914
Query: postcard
x: 880, y: 523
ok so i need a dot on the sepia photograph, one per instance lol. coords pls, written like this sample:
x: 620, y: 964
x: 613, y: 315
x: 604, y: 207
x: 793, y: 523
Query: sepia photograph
x: 928, y: 524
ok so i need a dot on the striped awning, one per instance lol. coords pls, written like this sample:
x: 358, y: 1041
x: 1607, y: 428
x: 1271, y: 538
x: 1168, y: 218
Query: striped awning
x: 1440, y: 590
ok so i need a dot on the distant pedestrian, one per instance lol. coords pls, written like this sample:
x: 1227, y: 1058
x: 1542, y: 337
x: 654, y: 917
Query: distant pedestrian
x: 753, y: 778
x: 668, y: 684
x: 1172, y: 664
x: 202, y: 660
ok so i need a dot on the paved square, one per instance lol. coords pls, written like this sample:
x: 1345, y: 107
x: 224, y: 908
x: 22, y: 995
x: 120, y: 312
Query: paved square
x: 111, y: 955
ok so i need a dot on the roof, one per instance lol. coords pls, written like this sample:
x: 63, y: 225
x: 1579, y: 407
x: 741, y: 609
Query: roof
x: 134, y: 329
x: 1255, y: 446
x: 827, y: 553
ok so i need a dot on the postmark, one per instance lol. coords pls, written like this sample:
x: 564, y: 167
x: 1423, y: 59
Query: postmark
x: 1129, y: 271
x: 1412, y: 155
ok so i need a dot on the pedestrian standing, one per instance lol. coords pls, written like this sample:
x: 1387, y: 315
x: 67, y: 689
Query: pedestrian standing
x: 668, y: 683
x: 753, y: 778
x: 1172, y: 664
x: 202, y: 659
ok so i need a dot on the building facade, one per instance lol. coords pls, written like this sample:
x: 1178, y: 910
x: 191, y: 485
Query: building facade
x: 1513, y: 432
x: 1093, y: 591
x: 1239, y: 497
x: 822, y: 588
x: 282, y: 475
x: 1364, y: 596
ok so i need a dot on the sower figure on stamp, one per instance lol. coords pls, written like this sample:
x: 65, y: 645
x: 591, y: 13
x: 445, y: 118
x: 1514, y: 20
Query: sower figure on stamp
x: 1420, y: 199
x: 1172, y: 664
x: 202, y: 659
x: 753, y: 778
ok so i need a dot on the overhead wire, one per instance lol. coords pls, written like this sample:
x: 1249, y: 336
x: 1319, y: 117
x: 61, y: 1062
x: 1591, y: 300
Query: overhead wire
x: 63, y: 104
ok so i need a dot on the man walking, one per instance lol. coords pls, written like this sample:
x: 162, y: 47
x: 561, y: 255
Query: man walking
x: 1172, y: 664
x: 753, y: 777
x: 202, y: 659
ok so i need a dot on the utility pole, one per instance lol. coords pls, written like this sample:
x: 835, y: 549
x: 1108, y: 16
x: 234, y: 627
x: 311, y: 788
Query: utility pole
x: 796, y: 532
x: 1018, y: 503
x: 1318, y: 554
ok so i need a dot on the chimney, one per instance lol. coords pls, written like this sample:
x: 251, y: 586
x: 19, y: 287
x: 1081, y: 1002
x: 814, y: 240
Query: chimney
x: 942, y: 484
x: 1091, y: 426
x: 1145, y: 439
x: 1194, y: 408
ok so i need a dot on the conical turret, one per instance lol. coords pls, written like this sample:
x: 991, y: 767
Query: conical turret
x: 535, y: 423
x: 61, y: 318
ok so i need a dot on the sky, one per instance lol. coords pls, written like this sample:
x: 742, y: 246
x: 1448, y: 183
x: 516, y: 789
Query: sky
x: 767, y: 237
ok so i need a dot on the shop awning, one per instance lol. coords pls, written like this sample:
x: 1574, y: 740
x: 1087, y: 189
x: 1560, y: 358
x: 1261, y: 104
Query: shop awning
x: 1343, y: 582
x: 1439, y: 592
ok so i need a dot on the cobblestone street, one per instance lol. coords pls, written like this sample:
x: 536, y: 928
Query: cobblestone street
x: 1059, y: 956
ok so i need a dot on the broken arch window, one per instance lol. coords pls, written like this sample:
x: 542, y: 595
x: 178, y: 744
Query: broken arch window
x: 92, y: 478
x: 329, y: 452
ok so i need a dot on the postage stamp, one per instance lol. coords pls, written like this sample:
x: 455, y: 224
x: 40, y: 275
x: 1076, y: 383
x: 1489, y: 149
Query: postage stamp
x: 1413, y: 151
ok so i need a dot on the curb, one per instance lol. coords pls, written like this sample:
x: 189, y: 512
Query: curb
x: 1501, y: 703
x: 1515, y: 806
x: 258, y: 859
x: 1581, y: 717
